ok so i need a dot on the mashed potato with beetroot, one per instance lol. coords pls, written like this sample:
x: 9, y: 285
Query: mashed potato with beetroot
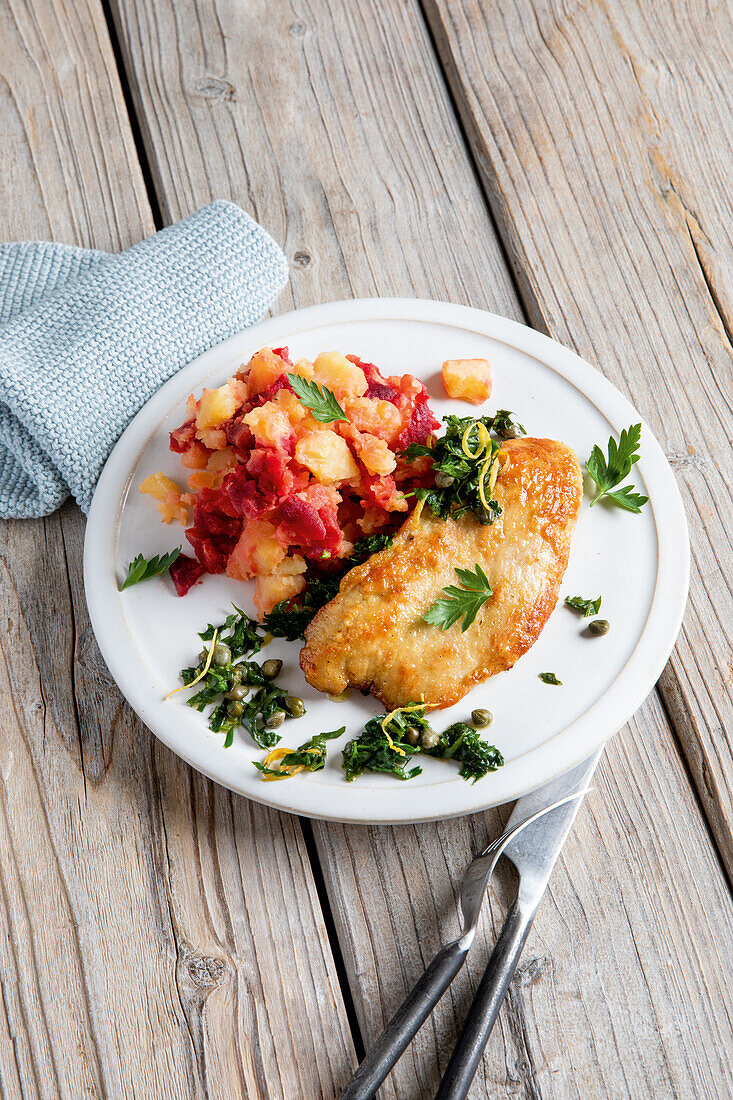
x: 273, y: 492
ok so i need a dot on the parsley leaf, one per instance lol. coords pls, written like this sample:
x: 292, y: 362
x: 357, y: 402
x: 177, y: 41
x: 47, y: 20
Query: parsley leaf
x: 244, y: 636
x: 466, y: 601
x: 142, y: 569
x: 320, y: 400
x: 586, y: 607
x: 609, y: 472
x: 550, y: 678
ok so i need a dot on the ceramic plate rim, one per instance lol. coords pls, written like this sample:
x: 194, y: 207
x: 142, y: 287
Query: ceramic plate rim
x: 572, y: 744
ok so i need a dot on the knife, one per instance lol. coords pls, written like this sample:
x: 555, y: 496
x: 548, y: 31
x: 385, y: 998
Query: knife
x: 533, y: 851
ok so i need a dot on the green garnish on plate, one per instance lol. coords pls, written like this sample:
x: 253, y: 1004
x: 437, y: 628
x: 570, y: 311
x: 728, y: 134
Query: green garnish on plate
x: 466, y: 601
x: 465, y: 465
x: 143, y: 569
x: 389, y: 742
x: 228, y: 679
x: 319, y: 399
x: 609, y: 471
x: 310, y: 757
x: 587, y: 608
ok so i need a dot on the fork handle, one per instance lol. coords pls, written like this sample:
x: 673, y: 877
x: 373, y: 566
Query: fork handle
x: 407, y: 1020
x: 486, y: 1004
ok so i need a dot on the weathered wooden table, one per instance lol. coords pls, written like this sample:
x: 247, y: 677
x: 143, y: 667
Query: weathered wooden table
x: 565, y: 163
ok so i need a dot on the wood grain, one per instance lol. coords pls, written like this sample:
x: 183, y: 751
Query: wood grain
x: 331, y: 124
x: 603, y: 131
x: 158, y: 937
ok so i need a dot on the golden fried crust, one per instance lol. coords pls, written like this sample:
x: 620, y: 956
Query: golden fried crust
x: 372, y: 635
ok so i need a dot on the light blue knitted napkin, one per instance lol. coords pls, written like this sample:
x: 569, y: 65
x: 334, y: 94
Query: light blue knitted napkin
x: 87, y: 337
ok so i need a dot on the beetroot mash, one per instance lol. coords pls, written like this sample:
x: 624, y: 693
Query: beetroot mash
x: 272, y: 491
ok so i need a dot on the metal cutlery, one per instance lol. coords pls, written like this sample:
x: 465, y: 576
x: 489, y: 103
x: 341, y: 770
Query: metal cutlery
x: 544, y: 818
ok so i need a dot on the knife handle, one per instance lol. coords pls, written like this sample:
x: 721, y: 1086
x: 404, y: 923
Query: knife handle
x: 408, y: 1018
x: 486, y: 1004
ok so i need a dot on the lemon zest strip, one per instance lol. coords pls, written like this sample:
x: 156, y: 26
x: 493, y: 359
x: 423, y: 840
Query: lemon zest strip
x: 498, y: 466
x: 491, y: 465
x: 484, y: 440
x: 202, y: 673
x: 272, y: 758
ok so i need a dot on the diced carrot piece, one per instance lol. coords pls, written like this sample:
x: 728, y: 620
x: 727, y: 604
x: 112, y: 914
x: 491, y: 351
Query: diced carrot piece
x: 195, y: 457
x: 380, y: 418
x: 265, y: 368
x: 375, y: 454
x: 467, y: 379
x: 269, y: 425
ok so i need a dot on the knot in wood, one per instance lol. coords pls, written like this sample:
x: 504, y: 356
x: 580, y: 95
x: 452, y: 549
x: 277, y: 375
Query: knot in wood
x: 532, y: 971
x: 214, y: 87
x: 205, y: 971
x: 302, y: 259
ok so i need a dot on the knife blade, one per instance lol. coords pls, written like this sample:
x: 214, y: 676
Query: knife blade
x: 535, y: 850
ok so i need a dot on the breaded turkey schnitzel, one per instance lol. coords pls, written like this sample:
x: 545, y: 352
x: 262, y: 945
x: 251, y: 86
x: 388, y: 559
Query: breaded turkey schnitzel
x: 372, y: 635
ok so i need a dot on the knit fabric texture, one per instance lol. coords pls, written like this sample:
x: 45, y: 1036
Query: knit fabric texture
x: 87, y: 337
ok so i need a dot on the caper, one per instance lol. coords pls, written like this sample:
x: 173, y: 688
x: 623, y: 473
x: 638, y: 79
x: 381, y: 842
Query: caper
x: 599, y: 627
x: 235, y: 710
x: 481, y: 718
x: 222, y: 654
x: 443, y: 480
x: 237, y: 675
x: 509, y: 431
x: 238, y: 692
x: 272, y: 668
x: 412, y: 733
x: 275, y: 720
x: 294, y: 706
x: 429, y: 738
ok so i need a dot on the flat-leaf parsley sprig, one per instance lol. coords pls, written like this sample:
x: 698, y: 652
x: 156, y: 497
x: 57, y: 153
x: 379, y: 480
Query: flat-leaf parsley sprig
x: 319, y: 399
x: 466, y: 601
x: 142, y: 569
x: 608, y: 472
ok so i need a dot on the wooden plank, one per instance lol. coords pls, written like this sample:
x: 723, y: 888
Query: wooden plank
x: 158, y: 937
x: 330, y: 122
x: 604, y: 132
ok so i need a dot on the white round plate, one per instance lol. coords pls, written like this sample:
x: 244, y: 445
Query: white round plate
x: 639, y: 564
